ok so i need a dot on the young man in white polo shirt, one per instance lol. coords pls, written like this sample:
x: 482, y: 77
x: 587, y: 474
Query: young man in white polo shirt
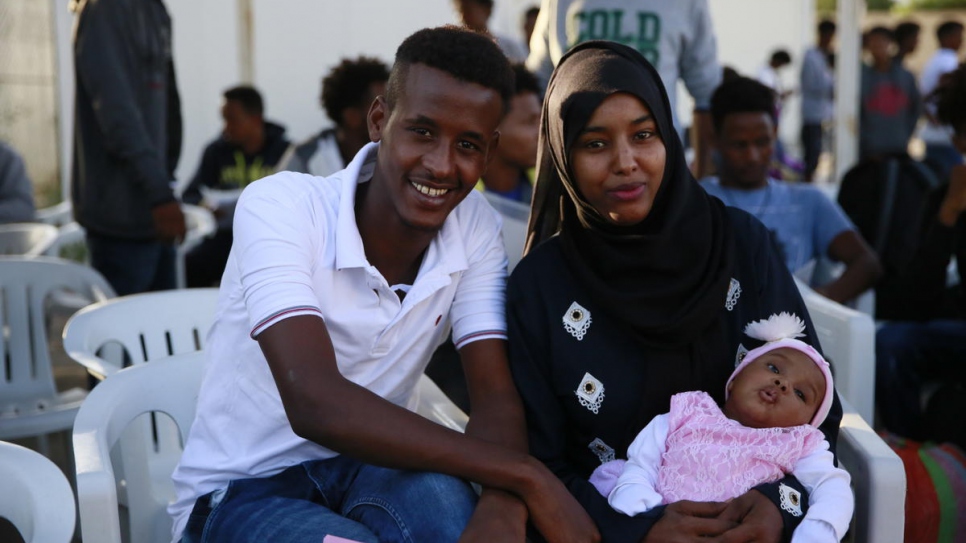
x: 336, y: 293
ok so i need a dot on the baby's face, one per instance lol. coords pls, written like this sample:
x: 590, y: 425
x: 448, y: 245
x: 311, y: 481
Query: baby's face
x: 781, y: 388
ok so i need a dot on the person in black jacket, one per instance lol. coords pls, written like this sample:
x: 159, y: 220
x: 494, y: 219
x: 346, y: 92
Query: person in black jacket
x: 127, y: 140
x: 927, y: 338
x: 248, y: 149
x: 636, y: 286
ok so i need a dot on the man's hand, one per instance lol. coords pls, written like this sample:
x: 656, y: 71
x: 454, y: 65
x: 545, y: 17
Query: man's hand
x: 955, y: 201
x: 556, y: 513
x: 691, y: 522
x: 498, y: 517
x: 758, y: 519
x: 169, y: 222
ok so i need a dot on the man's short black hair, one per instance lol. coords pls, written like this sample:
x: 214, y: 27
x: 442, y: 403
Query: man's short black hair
x: 948, y: 29
x: 827, y: 26
x: 532, y: 11
x: 524, y: 80
x: 881, y: 31
x: 905, y: 30
x: 950, y: 98
x: 781, y: 57
x: 347, y: 84
x: 741, y: 95
x: 464, y: 54
x: 249, y: 98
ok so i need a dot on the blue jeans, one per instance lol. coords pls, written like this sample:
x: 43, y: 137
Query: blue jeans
x: 338, y: 496
x: 132, y: 266
x: 907, y: 354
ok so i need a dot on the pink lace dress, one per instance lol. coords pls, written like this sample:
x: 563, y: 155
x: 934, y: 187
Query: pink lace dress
x: 710, y: 457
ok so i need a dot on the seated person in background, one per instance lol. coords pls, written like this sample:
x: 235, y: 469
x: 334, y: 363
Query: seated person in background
x: 347, y: 92
x: 16, y: 192
x: 337, y: 291
x: 804, y: 221
x: 927, y: 338
x: 248, y: 149
x: 890, y: 101
x: 510, y: 171
x: 768, y: 427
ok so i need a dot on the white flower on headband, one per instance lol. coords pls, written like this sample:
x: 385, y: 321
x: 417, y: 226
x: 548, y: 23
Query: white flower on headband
x: 781, y: 326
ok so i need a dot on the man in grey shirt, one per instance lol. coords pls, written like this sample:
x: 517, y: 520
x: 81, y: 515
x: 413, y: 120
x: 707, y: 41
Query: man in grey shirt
x: 818, y: 87
x: 676, y: 37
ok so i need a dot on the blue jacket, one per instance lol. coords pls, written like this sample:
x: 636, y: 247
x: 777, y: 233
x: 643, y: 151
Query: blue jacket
x: 127, y: 131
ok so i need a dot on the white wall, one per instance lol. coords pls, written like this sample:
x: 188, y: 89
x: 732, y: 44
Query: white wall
x: 295, y: 42
x: 750, y: 30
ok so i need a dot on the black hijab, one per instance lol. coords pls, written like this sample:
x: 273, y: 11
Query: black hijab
x: 667, y: 277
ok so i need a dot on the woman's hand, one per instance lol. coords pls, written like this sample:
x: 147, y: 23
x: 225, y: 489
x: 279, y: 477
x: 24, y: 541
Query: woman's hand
x: 751, y: 517
x: 691, y: 522
x: 758, y: 518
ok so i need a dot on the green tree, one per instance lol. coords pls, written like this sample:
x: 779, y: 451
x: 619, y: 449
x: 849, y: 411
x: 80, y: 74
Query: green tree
x: 829, y: 6
x: 938, y: 4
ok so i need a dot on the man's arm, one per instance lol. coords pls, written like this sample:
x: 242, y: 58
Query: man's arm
x: 540, y: 60
x: 862, y: 267
x: 324, y: 407
x: 497, y: 417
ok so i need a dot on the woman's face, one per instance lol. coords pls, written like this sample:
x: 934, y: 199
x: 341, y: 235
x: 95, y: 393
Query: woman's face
x: 618, y: 160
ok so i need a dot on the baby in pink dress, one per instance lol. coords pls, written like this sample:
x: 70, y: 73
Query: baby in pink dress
x: 768, y: 427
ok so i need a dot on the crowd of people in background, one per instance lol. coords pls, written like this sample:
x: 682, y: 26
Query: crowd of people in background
x: 561, y: 110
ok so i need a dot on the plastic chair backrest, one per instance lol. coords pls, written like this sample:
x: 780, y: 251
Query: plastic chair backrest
x: 171, y: 387
x: 36, y: 497
x: 148, y: 326
x: 27, y: 239
x: 848, y: 342
x: 25, y: 285
x: 515, y: 216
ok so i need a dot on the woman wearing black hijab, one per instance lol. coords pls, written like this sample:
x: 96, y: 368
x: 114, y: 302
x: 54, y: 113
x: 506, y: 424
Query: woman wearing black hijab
x: 636, y: 286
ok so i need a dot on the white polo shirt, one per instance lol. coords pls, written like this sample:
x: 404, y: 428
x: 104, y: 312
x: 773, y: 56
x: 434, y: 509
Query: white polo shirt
x: 297, y: 251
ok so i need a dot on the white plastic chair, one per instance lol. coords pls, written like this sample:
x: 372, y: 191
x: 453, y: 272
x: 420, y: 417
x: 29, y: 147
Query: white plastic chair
x: 29, y: 402
x: 57, y: 214
x: 148, y: 327
x: 27, y: 239
x: 199, y: 223
x: 169, y: 386
x: 515, y: 216
x: 848, y: 339
x: 878, y: 476
x: 36, y: 497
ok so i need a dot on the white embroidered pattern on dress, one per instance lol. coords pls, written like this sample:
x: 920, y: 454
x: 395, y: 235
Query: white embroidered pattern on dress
x: 791, y: 499
x: 590, y: 392
x: 734, y: 292
x: 576, y: 320
x: 603, y: 451
x: 740, y: 355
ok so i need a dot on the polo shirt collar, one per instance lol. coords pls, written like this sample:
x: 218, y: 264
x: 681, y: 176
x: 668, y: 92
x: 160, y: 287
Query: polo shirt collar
x: 445, y: 255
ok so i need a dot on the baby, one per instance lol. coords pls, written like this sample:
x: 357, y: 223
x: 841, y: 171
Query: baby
x: 774, y: 402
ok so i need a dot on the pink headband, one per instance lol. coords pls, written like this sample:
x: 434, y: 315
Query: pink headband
x: 778, y: 336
